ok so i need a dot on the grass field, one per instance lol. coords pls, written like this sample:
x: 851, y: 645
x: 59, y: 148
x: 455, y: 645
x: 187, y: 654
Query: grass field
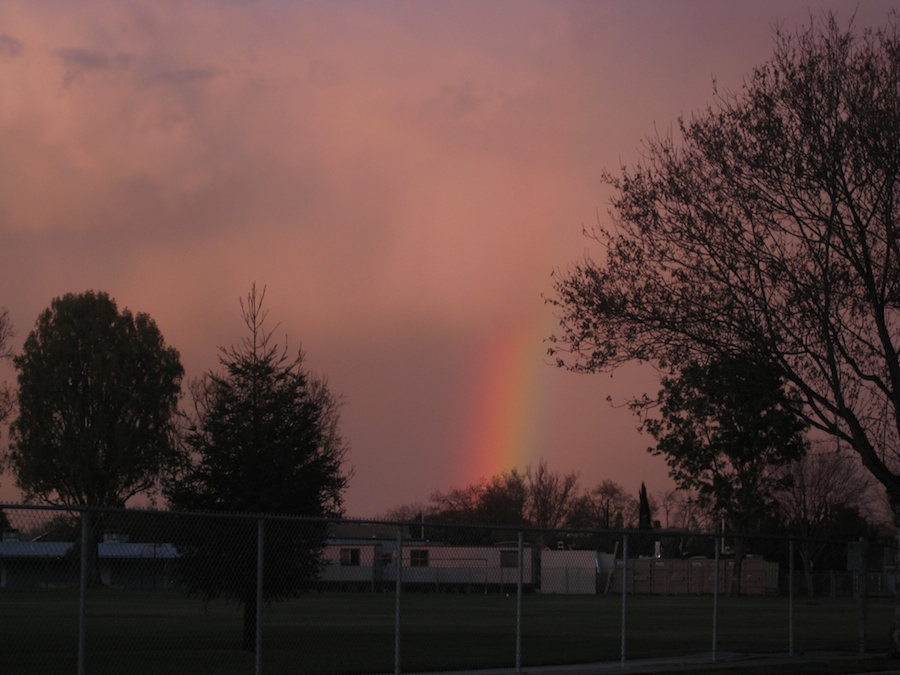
x: 165, y: 633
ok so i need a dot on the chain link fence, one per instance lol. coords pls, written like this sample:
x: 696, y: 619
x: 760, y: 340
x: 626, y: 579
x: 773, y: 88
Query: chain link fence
x: 162, y: 592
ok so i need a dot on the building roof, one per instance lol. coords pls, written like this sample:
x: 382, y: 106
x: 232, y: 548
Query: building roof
x: 106, y: 550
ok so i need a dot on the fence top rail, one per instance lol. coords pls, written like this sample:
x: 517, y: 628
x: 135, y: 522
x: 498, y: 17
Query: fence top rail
x: 410, y: 524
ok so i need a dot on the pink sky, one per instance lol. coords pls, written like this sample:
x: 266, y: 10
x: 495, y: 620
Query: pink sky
x: 402, y: 176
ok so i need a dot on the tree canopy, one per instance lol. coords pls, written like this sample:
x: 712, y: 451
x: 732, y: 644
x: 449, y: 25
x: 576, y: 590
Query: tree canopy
x: 264, y: 439
x: 767, y: 224
x: 98, y: 391
x: 538, y: 497
x: 727, y: 431
x: 6, y: 332
x: 645, y: 514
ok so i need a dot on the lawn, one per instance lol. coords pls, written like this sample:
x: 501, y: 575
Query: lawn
x: 165, y: 633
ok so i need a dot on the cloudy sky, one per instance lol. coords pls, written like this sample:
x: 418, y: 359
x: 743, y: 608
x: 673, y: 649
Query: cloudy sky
x: 402, y: 177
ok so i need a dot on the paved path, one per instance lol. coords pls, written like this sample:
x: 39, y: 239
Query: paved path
x: 687, y: 664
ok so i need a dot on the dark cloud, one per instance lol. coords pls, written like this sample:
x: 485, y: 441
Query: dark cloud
x: 78, y: 61
x: 182, y: 77
x: 9, y: 46
x: 83, y: 59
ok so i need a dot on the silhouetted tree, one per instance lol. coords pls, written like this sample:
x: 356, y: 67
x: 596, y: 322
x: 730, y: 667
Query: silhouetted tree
x: 504, y: 499
x: 60, y: 527
x: 6, y: 333
x: 824, y: 489
x: 727, y: 429
x: 265, y: 440
x: 645, y: 514
x: 6, y: 397
x: 458, y: 505
x: 97, y: 397
x: 405, y: 512
x: 551, y: 495
x: 770, y: 222
x: 613, y: 506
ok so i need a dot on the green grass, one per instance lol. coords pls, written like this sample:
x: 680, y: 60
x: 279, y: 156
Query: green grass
x: 165, y: 633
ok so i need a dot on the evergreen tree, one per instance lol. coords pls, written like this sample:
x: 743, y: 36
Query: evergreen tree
x: 265, y: 441
x: 645, y: 515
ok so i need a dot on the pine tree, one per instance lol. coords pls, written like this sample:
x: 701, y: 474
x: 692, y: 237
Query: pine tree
x: 265, y: 441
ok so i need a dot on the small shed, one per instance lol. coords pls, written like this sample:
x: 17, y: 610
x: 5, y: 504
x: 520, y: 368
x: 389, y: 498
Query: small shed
x: 569, y: 572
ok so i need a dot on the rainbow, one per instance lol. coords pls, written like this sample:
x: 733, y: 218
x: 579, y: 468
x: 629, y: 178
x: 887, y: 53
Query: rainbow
x: 505, y: 413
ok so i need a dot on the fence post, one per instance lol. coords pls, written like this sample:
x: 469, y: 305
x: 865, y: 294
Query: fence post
x: 519, y: 596
x: 863, y: 591
x: 82, y: 591
x: 399, y: 592
x: 715, y: 622
x: 624, y: 592
x: 791, y: 597
x: 260, y: 575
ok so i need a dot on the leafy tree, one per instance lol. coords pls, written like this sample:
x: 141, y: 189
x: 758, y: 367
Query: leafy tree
x: 727, y: 429
x: 6, y: 333
x: 6, y: 397
x: 98, y: 393
x: 265, y: 439
x: 769, y: 223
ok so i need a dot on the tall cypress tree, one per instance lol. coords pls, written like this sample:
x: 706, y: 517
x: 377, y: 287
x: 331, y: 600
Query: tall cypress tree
x: 644, y: 515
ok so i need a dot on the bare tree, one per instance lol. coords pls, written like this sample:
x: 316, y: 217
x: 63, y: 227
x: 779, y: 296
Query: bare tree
x: 826, y: 486
x: 505, y: 499
x: 457, y: 504
x: 667, y: 501
x: 687, y: 514
x: 551, y: 495
x: 406, y: 512
x: 770, y: 224
x: 537, y: 496
x: 610, y: 506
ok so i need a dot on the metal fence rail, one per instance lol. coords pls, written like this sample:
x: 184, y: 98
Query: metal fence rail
x: 160, y: 592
